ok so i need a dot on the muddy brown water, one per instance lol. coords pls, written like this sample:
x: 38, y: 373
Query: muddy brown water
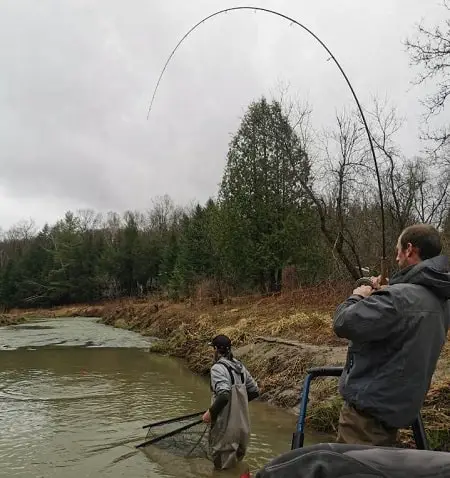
x: 74, y: 395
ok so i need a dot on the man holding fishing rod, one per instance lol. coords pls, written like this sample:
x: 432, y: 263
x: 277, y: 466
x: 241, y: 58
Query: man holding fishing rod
x: 396, y: 334
x: 232, y: 387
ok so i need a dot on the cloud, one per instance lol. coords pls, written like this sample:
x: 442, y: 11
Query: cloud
x: 77, y: 78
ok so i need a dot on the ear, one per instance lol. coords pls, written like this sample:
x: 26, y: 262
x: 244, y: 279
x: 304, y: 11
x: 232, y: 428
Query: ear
x: 409, y: 250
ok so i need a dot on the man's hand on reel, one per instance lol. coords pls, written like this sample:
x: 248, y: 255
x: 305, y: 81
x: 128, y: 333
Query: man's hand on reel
x: 376, y: 282
x: 367, y: 285
x: 363, y: 290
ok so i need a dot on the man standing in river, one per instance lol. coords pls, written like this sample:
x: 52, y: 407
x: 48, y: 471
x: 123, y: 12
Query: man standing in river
x: 396, y: 334
x: 232, y: 387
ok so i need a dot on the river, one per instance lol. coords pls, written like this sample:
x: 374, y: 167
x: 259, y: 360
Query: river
x: 74, y: 395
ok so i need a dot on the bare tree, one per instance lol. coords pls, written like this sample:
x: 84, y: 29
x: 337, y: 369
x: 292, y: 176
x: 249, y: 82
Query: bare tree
x: 349, y: 175
x: 416, y: 189
x: 160, y: 215
x: 112, y: 226
x: 430, y: 50
x: 398, y: 178
x: 432, y: 201
x: 138, y: 217
x: 88, y: 219
x: 164, y: 214
x: 23, y: 230
x: 340, y: 168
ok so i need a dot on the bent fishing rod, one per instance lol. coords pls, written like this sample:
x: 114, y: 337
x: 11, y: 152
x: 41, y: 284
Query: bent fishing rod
x: 384, y: 267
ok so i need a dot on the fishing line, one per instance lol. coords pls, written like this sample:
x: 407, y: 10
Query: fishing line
x: 366, y: 127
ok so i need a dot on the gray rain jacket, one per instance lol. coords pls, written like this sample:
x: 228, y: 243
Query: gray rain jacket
x: 333, y: 460
x: 230, y: 433
x: 396, y: 336
x: 220, y: 378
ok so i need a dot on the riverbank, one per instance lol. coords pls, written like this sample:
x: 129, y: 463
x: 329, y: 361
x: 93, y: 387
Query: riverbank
x: 277, y: 337
x: 7, y: 319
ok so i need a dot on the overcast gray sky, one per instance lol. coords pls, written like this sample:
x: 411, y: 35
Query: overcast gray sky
x: 77, y: 77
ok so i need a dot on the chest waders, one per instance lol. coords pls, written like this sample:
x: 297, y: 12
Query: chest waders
x: 230, y: 433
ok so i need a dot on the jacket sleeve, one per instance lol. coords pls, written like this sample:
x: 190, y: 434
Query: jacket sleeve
x: 250, y: 385
x: 367, y: 319
x: 219, y: 404
x: 220, y: 379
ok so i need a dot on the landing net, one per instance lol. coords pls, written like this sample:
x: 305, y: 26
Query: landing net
x: 186, y: 438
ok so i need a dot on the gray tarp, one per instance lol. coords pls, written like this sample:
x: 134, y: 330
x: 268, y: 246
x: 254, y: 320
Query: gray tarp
x: 334, y: 460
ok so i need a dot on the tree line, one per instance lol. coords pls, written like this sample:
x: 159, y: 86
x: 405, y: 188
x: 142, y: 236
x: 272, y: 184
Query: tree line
x: 296, y: 206
x: 290, y: 199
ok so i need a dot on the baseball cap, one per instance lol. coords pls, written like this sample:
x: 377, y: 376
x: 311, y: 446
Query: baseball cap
x: 221, y: 341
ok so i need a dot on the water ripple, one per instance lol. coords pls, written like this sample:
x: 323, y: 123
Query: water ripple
x: 78, y: 411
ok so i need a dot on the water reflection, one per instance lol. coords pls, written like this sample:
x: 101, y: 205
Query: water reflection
x: 72, y: 411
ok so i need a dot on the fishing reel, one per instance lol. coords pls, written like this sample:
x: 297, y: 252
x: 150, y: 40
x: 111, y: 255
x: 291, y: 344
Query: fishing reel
x: 367, y: 281
x: 363, y: 281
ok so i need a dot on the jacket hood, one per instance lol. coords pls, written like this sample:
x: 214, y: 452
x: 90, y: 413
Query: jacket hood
x: 431, y: 273
x: 233, y: 364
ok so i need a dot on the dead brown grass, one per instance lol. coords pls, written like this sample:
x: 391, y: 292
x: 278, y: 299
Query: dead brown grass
x: 81, y: 310
x: 9, y: 320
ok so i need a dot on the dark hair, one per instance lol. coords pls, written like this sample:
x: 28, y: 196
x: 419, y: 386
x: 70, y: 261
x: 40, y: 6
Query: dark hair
x: 225, y: 352
x: 424, y: 237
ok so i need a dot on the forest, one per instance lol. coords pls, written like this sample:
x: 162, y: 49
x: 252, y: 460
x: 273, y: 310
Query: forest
x: 295, y: 207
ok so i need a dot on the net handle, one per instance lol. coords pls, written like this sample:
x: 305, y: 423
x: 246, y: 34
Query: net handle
x: 176, y: 419
x: 167, y: 435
